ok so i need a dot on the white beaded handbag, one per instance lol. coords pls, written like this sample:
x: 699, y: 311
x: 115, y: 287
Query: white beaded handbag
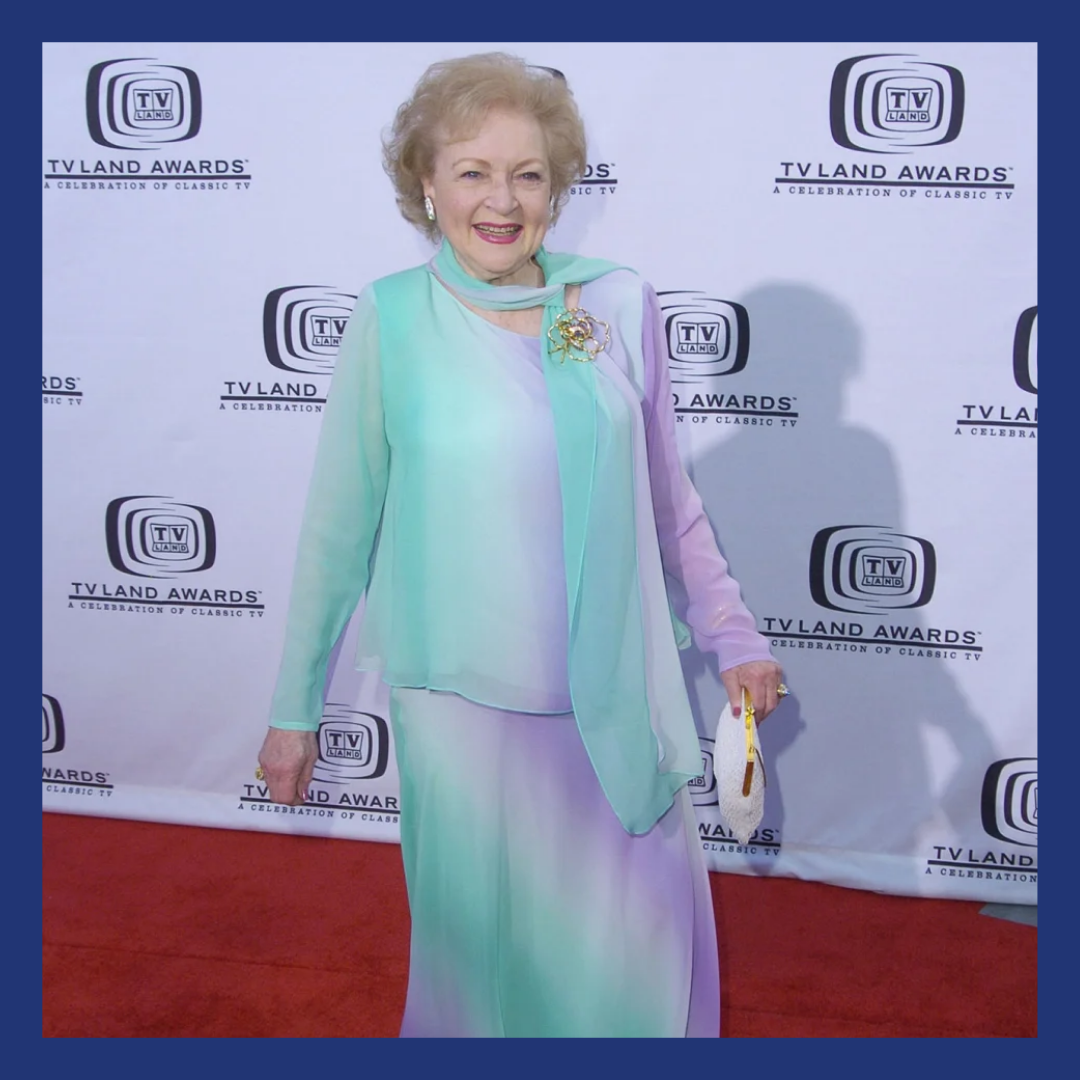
x: 740, y: 771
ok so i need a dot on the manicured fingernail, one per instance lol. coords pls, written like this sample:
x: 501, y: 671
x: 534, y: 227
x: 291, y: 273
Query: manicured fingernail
x: 736, y: 711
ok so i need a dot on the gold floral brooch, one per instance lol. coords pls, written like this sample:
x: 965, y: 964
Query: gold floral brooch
x: 578, y: 336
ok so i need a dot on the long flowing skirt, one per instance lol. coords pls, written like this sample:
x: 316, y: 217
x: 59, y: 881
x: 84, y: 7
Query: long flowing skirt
x: 534, y: 914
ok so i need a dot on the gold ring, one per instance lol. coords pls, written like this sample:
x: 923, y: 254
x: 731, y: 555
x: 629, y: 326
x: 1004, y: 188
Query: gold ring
x: 259, y: 774
x: 782, y: 691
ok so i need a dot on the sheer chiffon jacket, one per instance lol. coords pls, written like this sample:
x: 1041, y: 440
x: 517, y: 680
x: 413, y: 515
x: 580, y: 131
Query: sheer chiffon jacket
x: 436, y: 491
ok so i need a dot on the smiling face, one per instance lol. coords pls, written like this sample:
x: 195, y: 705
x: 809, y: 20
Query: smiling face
x: 492, y: 197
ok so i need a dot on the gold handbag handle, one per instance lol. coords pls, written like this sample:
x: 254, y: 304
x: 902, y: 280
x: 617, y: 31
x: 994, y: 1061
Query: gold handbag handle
x: 748, y: 721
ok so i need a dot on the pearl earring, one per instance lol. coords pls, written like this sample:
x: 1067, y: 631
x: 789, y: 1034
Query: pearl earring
x: 429, y: 208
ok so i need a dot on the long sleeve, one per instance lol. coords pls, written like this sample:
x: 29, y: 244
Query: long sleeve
x: 707, y: 597
x: 341, y: 518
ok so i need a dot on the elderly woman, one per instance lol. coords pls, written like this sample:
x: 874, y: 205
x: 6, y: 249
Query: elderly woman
x: 497, y: 470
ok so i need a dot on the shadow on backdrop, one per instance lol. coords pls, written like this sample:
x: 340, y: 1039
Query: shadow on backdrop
x: 871, y: 722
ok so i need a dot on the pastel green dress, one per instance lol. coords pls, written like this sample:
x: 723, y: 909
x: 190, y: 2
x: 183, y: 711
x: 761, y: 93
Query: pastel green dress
x: 529, y: 550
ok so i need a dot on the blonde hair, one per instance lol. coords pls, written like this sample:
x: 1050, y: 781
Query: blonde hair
x: 453, y: 97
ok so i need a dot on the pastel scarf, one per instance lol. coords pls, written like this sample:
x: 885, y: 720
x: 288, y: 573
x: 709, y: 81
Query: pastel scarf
x: 607, y: 651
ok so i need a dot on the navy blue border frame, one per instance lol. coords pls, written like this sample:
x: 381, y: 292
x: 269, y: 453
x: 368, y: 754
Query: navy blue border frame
x: 809, y: 22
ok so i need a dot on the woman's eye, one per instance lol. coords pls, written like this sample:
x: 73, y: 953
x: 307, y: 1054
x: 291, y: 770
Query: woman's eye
x: 532, y: 177
x: 470, y: 173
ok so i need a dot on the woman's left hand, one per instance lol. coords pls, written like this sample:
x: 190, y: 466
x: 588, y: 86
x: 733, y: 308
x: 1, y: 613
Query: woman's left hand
x: 761, y: 679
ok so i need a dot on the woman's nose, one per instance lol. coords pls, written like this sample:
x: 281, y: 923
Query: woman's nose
x: 501, y: 197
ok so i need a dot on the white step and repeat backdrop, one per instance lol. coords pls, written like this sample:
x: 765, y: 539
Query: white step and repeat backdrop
x: 843, y: 237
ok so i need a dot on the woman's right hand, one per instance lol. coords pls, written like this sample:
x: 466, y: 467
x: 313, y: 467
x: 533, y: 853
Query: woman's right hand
x: 288, y: 759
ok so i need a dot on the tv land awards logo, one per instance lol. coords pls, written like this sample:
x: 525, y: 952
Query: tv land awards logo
x: 715, y: 835
x: 63, y: 780
x: 302, y: 330
x: 599, y: 178
x: 880, y: 575
x: 139, y: 104
x: 894, y: 106
x: 707, y: 340
x: 1017, y: 421
x: 1009, y: 806
x: 65, y: 390
x: 354, y: 749
x: 155, y: 538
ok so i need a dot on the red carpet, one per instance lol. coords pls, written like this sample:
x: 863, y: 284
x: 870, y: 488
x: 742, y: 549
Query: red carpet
x: 169, y: 931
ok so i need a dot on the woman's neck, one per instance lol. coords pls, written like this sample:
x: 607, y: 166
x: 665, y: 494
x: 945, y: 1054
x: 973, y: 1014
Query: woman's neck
x: 530, y: 275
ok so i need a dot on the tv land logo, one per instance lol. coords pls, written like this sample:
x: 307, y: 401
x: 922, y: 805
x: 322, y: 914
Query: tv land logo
x: 140, y: 104
x: 891, y: 103
x: 152, y: 536
x: 706, y: 336
x: 702, y: 788
x: 1026, y: 351
x: 870, y: 569
x: 303, y: 326
x: 353, y: 745
x: 52, y: 725
x: 1010, y: 801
